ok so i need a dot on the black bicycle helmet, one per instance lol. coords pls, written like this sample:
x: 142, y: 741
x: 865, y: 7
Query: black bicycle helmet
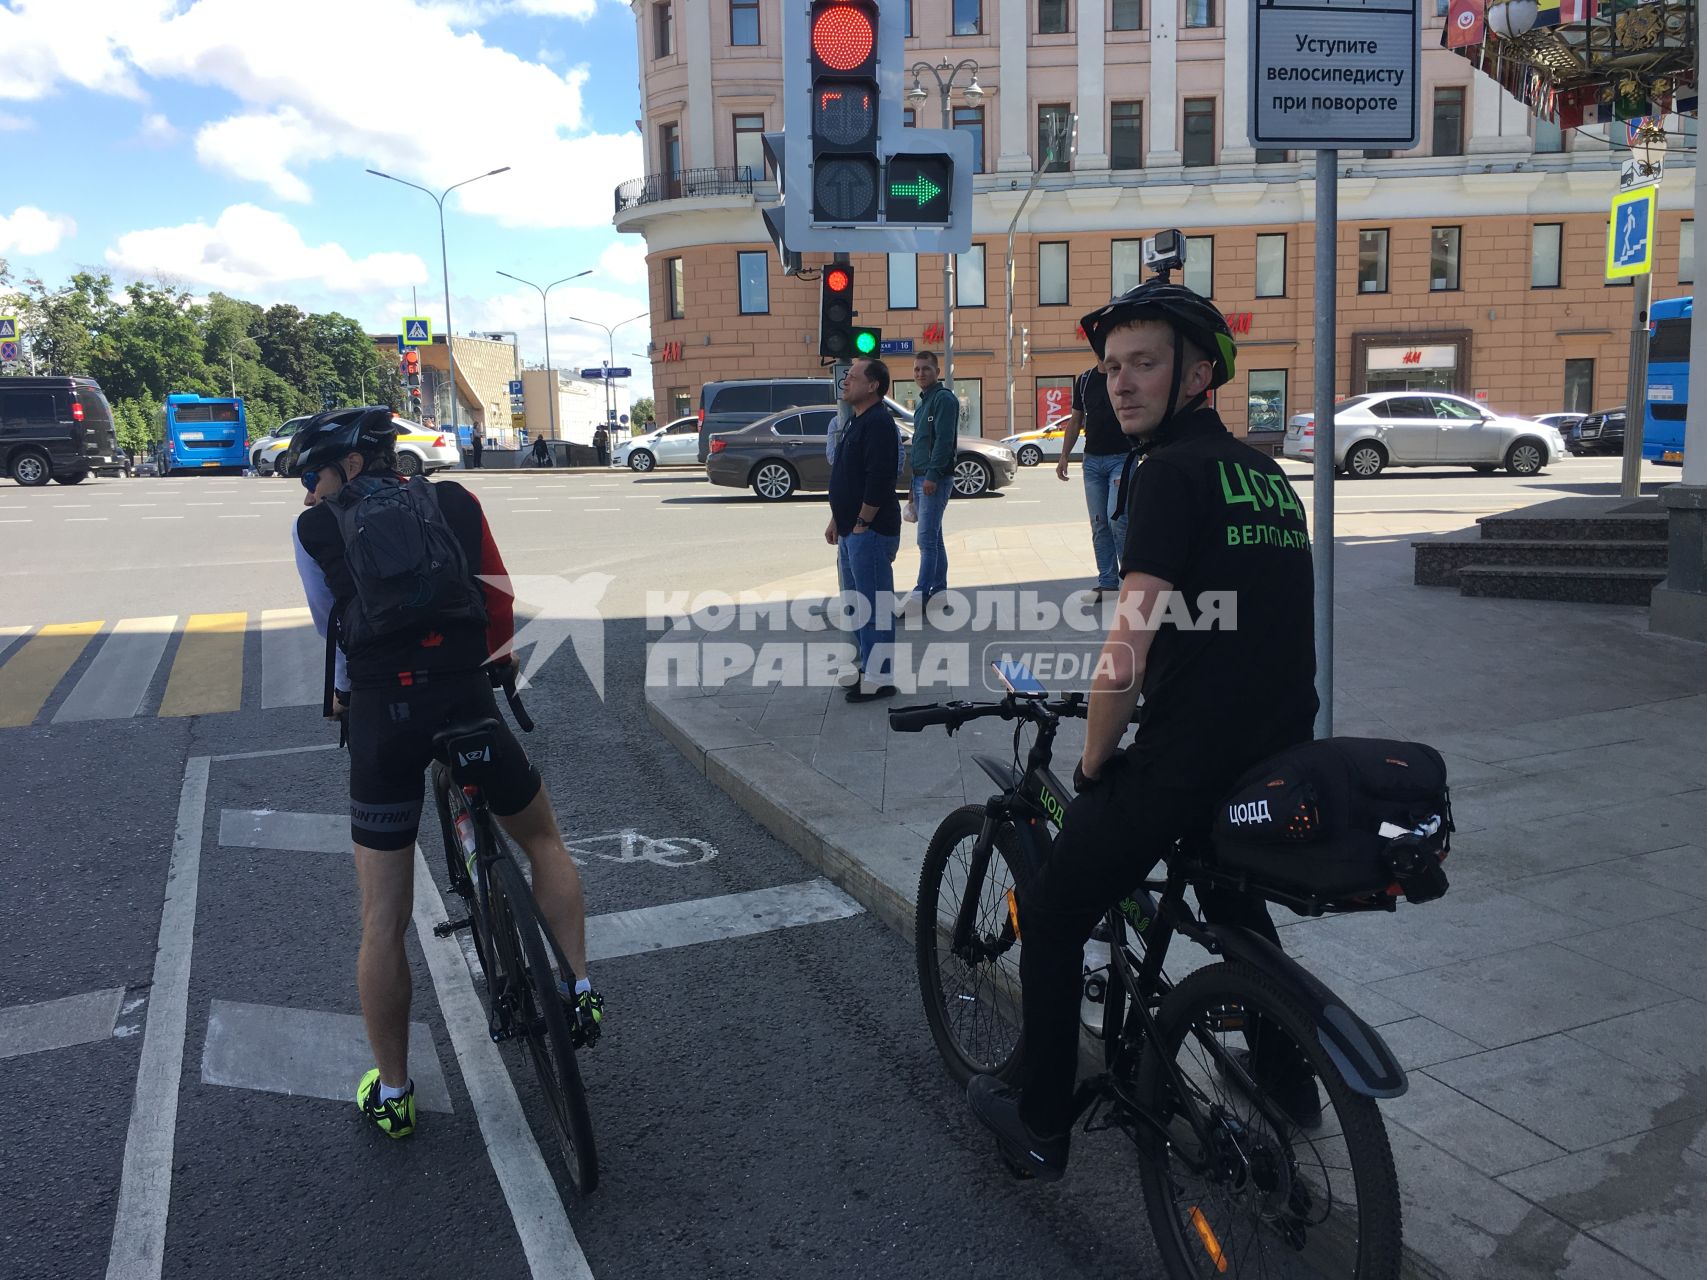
x: 328, y: 437
x: 1199, y: 319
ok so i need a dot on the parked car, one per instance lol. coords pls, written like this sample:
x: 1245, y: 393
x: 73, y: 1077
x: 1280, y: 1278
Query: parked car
x: 147, y: 465
x: 728, y: 406
x: 421, y: 451
x: 1601, y: 432
x: 674, y: 444
x: 264, y: 451
x: 1563, y: 423
x: 1425, y: 429
x: 1032, y: 447
x: 55, y: 429
x: 783, y: 454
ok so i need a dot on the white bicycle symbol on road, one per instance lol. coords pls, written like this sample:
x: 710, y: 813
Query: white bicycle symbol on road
x: 629, y: 845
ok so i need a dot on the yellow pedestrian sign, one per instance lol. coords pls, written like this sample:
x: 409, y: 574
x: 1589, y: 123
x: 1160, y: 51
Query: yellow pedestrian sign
x: 1630, y: 233
x: 417, y: 331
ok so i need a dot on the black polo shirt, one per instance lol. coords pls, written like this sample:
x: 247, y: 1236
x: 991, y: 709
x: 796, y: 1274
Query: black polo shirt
x: 1231, y: 674
x: 868, y: 461
x: 1101, y: 428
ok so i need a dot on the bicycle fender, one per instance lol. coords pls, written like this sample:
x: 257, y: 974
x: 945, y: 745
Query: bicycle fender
x: 1356, y: 1048
x: 1002, y: 772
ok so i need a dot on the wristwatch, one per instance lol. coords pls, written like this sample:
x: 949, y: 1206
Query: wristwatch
x: 862, y: 524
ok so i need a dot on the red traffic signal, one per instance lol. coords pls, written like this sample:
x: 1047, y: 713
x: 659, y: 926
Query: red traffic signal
x: 844, y: 36
x: 844, y: 110
x: 836, y: 314
x: 838, y: 280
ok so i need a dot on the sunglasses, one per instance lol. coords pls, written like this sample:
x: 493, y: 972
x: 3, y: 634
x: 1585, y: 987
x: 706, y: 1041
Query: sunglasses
x: 310, y: 479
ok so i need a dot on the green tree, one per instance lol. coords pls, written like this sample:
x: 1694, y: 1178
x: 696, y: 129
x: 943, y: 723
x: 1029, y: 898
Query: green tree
x: 642, y: 413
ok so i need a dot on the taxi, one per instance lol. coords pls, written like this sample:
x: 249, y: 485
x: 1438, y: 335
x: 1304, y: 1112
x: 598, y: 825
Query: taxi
x: 1032, y: 447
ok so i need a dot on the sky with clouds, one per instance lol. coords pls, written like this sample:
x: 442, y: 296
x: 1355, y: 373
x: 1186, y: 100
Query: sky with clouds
x: 222, y: 145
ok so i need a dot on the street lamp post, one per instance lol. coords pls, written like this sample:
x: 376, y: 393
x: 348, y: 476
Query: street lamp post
x: 444, y: 263
x: 610, y: 335
x: 918, y: 93
x: 545, y: 316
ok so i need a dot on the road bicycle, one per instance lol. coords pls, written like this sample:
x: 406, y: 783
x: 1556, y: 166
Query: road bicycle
x: 515, y: 950
x: 1233, y: 1184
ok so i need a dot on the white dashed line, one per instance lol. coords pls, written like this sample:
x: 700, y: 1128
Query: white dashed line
x: 244, y: 516
x: 85, y: 519
x: 162, y: 517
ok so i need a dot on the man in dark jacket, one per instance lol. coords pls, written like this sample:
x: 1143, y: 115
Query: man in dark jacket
x: 866, y: 516
x: 936, y: 424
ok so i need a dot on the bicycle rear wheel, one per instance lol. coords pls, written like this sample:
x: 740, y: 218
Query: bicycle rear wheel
x: 542, y: 1016
x: 1274, y: 1199
x: 972, y: 999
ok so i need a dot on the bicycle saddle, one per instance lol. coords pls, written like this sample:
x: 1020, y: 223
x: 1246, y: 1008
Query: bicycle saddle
x: 467, y: 745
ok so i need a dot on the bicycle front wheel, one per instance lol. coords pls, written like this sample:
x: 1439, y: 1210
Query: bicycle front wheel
x: 540, y: 1012
x: 971, y: 993
x: 1268, y: 1191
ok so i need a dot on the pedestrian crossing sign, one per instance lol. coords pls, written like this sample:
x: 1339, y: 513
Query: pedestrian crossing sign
x: 417, y: 331
x: 1630, y: 233
x: 8, y: 328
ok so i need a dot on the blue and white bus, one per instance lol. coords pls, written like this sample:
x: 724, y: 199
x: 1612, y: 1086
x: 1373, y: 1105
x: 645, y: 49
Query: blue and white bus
x: 205, y: 435
x: 1667, y: 404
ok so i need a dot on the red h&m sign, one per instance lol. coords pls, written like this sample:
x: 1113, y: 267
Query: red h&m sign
x: 1238, y: 321
x: 933, y: 333
x: 669, y: 351
x: 1411, y: 357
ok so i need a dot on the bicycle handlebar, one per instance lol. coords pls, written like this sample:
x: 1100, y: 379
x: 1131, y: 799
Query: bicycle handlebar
x: 504, y: 677
x: 955, y: 714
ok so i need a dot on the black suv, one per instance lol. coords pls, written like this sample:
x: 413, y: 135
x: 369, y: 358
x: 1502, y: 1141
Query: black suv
x: 56, y: 428
x: 729, y: 406
x: 1601, y: 432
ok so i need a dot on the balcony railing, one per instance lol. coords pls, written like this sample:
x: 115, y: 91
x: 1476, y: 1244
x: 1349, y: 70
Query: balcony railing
x: 685, y: 184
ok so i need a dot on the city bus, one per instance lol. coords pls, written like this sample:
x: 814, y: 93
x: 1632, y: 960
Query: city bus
x: 205, y: 435
x: 1668, y: 380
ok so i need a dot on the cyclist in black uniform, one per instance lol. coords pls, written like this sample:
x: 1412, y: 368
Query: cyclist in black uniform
x: 396, y: 690
x: 1215, y: 629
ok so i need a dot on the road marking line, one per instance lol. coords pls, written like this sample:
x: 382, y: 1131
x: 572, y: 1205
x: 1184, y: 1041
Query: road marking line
x: 17, y: 521
x: 293, y: 659
x: 737, y: 915
x: 207, y: 672
x: 245, y: 516
x: 34, y: 672
x: 72, y: 506
x: 85, y: 519
x: 145, y: 1188
x: 9, y: 636
x: 307, y: 1053
x: 204, y: 504
x: 547, y: 1239
x: 139, y: 504
x: 162, y: 517
x: 117, y: 680
x: 604, y: 508
x: 58, y: 1024
x: 532, y: 511
x: 269, y: 829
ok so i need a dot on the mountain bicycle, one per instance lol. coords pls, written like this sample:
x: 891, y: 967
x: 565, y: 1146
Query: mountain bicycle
x: 1233, y: 1184
x: 515, y: 950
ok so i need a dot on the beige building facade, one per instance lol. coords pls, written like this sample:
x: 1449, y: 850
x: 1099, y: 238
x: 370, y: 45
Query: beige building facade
x: 1474, y: 263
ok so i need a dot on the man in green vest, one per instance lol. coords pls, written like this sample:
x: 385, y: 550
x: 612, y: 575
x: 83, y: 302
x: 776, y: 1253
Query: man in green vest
x: 936, y: 424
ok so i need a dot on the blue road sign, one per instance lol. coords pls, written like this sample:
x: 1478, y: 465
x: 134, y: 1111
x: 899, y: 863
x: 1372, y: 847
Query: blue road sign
x: 895, y: 347
x: 516, y: 387
x: 603, y: 372
x: 417, y: 331
x: 8, y: 327
x: 1630, y: 233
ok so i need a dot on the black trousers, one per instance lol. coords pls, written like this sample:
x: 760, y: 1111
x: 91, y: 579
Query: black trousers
x: 1112, y: 837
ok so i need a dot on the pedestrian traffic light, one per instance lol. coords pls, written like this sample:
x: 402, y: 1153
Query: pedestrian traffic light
x: 867, y: 342
x: 835, y: 313
x: 845, y: 164
x: 411, y: 364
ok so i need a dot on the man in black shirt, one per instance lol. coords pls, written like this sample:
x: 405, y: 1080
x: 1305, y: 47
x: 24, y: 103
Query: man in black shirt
x: 1215, y: 629
x: 1106, y: 447
x: 866, y: 515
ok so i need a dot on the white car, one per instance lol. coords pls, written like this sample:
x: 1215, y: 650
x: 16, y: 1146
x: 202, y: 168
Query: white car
x: 1032, y: 447
x: 1425, y: 429
x: 419, y: 450
x: 676, y: 444
x: 265, y: 451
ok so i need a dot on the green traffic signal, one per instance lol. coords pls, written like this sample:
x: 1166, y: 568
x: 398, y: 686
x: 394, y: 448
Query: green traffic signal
x: 921, y: 189
x: 866, y: 341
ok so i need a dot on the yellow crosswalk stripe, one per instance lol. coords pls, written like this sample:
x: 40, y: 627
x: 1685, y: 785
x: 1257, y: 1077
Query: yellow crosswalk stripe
x: 31, y: 674
x: 207, y: 673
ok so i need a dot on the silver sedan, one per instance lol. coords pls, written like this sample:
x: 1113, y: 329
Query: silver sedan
x: 1425, y: 429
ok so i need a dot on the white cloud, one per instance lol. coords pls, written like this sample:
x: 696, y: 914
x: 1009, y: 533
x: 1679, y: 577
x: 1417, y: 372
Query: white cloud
x: 625, y: 261
x: 262, y: 148
x: 573, y: 345
x: 45, y: 42
x: 580, y: 9
x: 253, y: 251
x: 15, y: 124
x: 30, y: 230
x: 156, y: 130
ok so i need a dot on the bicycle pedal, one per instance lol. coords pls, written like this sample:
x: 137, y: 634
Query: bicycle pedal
x: 449, y: 927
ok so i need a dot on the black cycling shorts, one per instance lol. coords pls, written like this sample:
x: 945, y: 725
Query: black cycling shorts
x: 391, y: 745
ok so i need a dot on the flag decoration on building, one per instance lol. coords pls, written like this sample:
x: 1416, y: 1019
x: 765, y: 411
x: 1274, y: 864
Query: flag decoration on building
x: 1466, y: 23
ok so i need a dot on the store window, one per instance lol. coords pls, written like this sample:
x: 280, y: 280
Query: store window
x: 1266, y: 400
x: 754, y: 270
x: 1054, y: 400
x: 1052, y: 274
x: 1579, y: 386
x: 673, y: 288
x: 1686, y: 252
x: 1271, y: 266
x: 1372, y: 261
x: 1055, y: 136
x: 1443, y: 257
x: 1413, y: 366
x: 1127, y: 261
x: 1126, y: 135
x: 1449, y: 120
x: 1127, y: 15
x: 750, y: 147
x: 971, y: 119
x: 1544, y: 241
x: 1199, y: 131
x: 968, y: 17
x: 680, y: 402
x: 969, y: 278
x: 1051, y: 17
x: 903, y: 281
x: 1199, y: 273
x: 744, y: 22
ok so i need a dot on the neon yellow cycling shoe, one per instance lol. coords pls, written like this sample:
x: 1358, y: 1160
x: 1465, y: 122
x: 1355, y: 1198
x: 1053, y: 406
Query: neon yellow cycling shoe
x: 395, y: 1116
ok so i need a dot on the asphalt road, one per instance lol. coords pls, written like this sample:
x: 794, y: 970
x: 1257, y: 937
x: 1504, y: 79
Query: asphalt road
x: 767, y: 1104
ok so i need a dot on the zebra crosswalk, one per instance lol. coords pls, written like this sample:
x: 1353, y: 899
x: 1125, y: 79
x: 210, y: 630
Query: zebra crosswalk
x: 204, y: 656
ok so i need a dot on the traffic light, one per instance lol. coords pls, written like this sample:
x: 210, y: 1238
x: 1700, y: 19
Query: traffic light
x: 918, y: 188
x: 846, y: 167
x: 835, y: 313
x: 867, y: 342
x: 412, y: 364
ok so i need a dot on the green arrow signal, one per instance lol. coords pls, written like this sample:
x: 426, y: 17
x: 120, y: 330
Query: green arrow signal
x: 920, y: 189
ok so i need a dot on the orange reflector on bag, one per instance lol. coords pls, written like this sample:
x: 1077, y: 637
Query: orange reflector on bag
x: 1210, y: 1244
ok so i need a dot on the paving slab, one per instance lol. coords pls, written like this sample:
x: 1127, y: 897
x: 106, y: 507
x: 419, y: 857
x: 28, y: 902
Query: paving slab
x: 1479, y: 1136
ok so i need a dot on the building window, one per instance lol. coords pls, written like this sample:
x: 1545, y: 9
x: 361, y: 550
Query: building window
x: 1686, y: 252
x: 1126, y: 135
x: 907, y: 31
x: 1054, y: 136
x: 1378, y: 153
x: 968, y: 17
x: 755, y: 283
x: 1200, y: 13
x: 971, y: 119
x: 1440, y: 7
x: 1449, y: 121
x: 670, y: 157
x: 1126, y: 259
x: 1127, y: 15
x: 1549, y: 137
x: 1271, y: 266
x: 1443, y: 258
x: 1054, y: 399
x: 750, y: 146
x: 1051, y: 17
x: 680, y: 402
x: 1544, y: 255
x: 1372, y: 261
x: 1052, y: 274
x: 743, y: 21
x: 675, y: 294
x: 1199, y: 131
x: 903, y: 282
x: 1266, y: 401
x: 1199, y: 274
x: 1579, y: 386
x: 909, y: 118
x: 1270, y: 155
x: 663, y: 32
x: 969, y: 278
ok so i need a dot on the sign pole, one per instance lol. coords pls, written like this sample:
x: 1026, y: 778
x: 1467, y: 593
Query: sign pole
x: 1636, y: 389
x: 1322, y: 544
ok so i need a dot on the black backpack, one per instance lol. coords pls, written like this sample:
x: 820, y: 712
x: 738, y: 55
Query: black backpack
x: 408, y: 567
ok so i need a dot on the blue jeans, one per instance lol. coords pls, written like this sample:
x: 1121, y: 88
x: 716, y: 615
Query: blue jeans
x: 871, y: 560
x: 1108, y: 530
x: 933, y: 556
